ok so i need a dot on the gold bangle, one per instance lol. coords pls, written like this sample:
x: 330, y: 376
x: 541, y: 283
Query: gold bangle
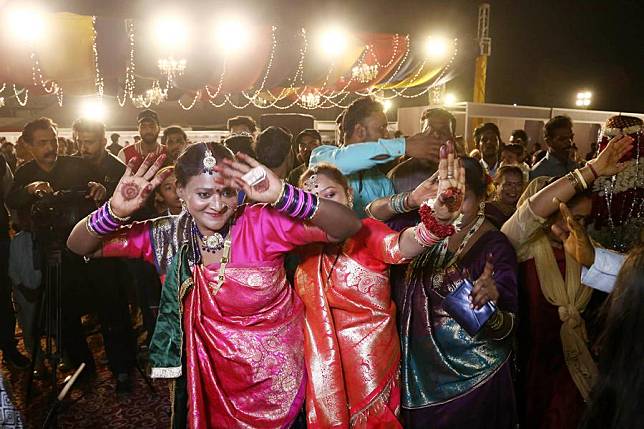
x: 584, y: 185
x: 118, y: 218
x: 496, y: 321
x: 279, y: 198
x: 574, y: 181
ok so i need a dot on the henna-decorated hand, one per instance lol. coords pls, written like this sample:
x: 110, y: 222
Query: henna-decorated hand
x: 135, y: 187
x: 266, y: 191
x: 451, y: 185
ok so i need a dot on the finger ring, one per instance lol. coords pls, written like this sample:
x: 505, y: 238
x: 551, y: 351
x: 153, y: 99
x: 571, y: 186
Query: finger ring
x: 450, y: 176
x: 254, y: 176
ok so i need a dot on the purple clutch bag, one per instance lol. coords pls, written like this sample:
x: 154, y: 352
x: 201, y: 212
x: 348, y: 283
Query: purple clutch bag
x: 457, y: 305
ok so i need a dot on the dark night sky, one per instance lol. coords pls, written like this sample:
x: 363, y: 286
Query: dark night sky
x: 542, y: 51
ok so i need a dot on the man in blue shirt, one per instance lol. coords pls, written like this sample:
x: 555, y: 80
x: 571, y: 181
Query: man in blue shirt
x: 366, y: 147
x: 558, y: 136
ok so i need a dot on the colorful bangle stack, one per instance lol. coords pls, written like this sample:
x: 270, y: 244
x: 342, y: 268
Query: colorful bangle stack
x: 103, y: 221
x: 424, y: 237
x: 430, y: 231
x: 577, y: 180
x: 398, y: 203
x: 297, y: 203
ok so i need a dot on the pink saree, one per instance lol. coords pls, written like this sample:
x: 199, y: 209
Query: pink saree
x: 352, y: 350
x: 244, y: 344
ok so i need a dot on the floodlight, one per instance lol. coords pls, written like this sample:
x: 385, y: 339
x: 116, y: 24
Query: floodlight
x: 449, y: 99
x: 232, y: 35
x: 93, y: 109
x: 26, y: 23
x: 437, y: 47
x: 387, y: 105
x: 583, y: 98
x: 171, y: 32
x: 333, y: 41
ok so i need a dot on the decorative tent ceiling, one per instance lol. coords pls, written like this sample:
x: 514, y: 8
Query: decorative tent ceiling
x: 110, y: 57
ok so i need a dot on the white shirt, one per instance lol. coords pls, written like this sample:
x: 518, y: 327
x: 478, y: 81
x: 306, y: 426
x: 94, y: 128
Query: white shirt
x: 603, y: 272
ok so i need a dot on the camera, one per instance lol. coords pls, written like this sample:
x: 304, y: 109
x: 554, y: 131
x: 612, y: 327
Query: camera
x: 54, y: 215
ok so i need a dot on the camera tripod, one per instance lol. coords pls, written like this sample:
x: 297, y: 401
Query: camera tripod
x: 48, y: 322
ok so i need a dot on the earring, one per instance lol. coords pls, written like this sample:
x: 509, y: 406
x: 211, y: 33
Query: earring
x: 350, y: 202
x: 481, y: 209
x: 184, y: 206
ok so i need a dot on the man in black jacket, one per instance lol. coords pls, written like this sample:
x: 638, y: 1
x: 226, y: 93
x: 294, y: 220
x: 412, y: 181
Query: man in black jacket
x: 37, y: 180
x: 108, y: 276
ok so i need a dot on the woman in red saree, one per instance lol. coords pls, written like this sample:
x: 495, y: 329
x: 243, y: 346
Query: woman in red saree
x: 229, y: 329
x: 352, y: 350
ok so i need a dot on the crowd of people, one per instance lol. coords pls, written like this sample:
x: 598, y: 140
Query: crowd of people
x: 283, y: 282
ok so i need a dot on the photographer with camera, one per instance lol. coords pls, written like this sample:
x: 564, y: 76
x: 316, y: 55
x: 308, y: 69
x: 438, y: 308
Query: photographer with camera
x: 51, y: 191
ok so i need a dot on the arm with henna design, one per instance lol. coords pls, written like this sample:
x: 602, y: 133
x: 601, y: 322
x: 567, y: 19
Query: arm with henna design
x: 130, y: 195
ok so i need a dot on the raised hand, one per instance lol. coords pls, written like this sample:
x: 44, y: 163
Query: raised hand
x: 96, y: 192
x: 607, y: 162
x: 424, y: 145
x: 135, y: 186
x: 427, y: 190
x: 451, y: 185
x: 576, y: 241
x: 267, y: 191
x: 484, y: 289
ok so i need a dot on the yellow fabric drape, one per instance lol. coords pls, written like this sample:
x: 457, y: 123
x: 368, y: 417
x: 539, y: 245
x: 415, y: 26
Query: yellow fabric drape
x: 524, y: 229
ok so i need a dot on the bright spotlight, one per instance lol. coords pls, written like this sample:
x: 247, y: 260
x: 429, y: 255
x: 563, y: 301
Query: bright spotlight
x: 26, y: 24
x: 583, y: 98
x: 449, y: 99
x: 387, y: 105
x: 93, y: 109
x: 232, y: 35
x: 171, y: 32
x: 436, y: 47
x: 333, y: 41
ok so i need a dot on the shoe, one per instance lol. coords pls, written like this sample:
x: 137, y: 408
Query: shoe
x: 14, y: 358
x: 123, y: 384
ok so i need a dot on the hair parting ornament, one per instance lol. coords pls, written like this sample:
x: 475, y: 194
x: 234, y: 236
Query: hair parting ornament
x: 312, y: 183
x: 209, y: 162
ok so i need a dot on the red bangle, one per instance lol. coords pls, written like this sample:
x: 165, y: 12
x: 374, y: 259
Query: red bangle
x: 593, y: 170
x: 439, y: 230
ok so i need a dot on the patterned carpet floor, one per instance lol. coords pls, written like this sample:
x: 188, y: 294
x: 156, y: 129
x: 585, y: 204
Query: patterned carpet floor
x: 94, y: 404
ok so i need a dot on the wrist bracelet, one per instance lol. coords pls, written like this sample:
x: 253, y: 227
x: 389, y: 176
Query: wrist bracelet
x: 279, y: 198
x: 398, y: 203
x: 582, y: 181
x: 574, y: 181
x: 593, y: 170
x: 118, y: 218
x: 102, y: 221
x: 424, y: 237
x: 437, y: 229
x: 297, y: 203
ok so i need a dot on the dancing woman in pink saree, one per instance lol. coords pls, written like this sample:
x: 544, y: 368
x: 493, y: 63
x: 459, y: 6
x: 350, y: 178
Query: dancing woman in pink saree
x: 229, y: 329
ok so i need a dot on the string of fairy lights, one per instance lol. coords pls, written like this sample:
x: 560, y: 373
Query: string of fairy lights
x: 367, y: 68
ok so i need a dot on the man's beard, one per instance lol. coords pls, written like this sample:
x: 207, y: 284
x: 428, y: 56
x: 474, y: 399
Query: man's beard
x: 149, y: 139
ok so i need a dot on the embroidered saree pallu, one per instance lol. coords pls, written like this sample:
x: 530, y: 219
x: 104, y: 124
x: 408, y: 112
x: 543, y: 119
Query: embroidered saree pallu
x: 235, y: 351
x: 352, y: 350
